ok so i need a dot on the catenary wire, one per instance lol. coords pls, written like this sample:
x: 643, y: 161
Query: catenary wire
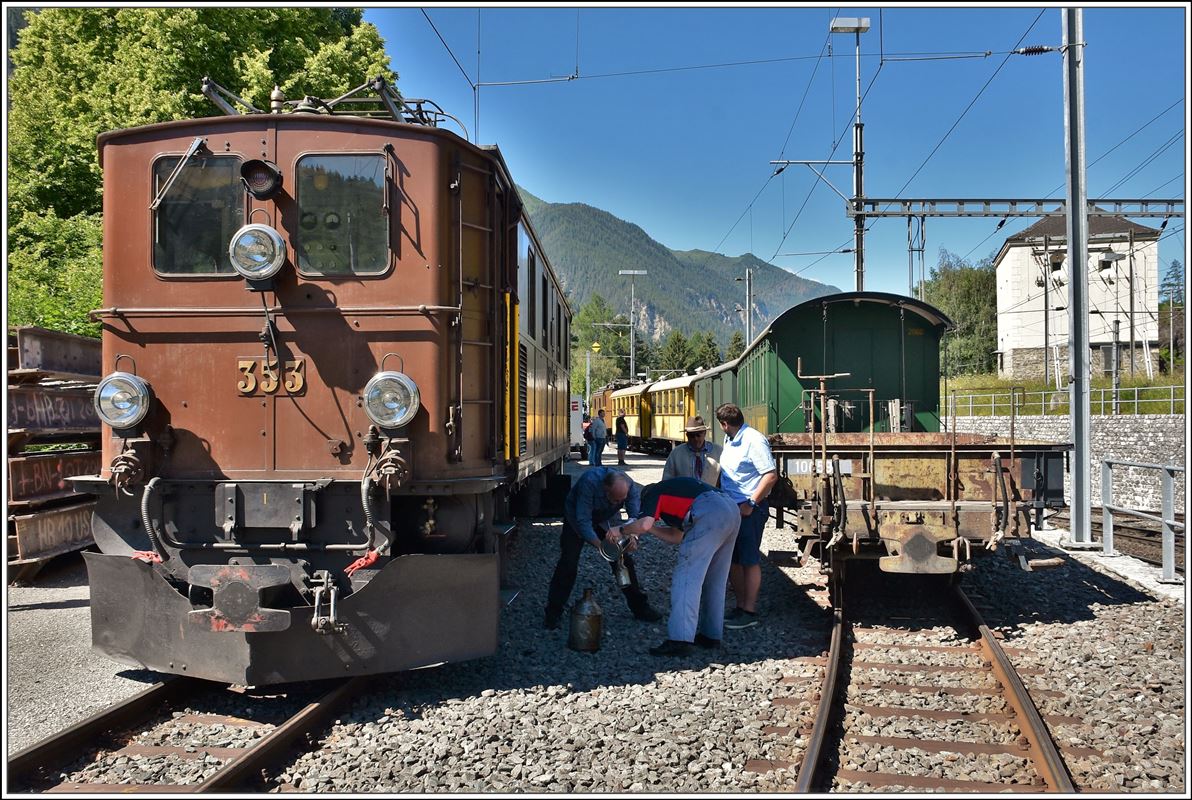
x: 448, y: 47
x: 770, y: 177
x: 968, y: 107
x: 1154, y: 154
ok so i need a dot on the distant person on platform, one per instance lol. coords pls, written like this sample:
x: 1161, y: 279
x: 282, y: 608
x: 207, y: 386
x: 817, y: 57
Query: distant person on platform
x: 599, y: 437
x: 622, y: 428
x: 596, y: 498
x: 699, y: 458
x: 747, y: 474
x: 703, y: 521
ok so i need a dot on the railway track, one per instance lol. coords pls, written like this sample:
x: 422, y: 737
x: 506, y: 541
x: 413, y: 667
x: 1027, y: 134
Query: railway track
x: 919, y: 697
x: 1139, y: 538
x: 145, y: 744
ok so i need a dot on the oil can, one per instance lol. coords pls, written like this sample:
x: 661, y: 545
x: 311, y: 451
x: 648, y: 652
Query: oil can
x: 587, y: 624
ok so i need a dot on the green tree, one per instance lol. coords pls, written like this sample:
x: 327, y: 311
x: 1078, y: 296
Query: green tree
x: 1172, y: 286
x: 736, y: 346
x: 1171, y: 318
x: 675, y: 353
x: 704, y: 351
x: 645, y: 353
x: 56, y: 278
x: 77, y: 72
x: 966, y: 294
x: 612, y: 362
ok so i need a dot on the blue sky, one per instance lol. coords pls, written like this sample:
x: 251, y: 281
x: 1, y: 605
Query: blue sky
x: 683, y: 152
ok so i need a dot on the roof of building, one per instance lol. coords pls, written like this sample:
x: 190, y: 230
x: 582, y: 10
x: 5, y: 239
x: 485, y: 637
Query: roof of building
x: 1057, y: 228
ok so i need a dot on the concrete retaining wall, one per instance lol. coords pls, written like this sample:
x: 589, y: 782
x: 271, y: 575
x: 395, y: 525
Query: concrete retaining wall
x: 1145, y: 438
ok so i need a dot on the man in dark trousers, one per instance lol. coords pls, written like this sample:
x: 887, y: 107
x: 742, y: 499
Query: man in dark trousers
x: 703, y: 521
x: 596, y: 498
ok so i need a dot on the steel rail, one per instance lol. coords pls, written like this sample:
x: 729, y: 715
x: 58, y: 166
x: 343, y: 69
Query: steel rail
x: 66, y: 744
x: 1044, y: 753
x: 247, y: 765
x: 809, y: 769
x: 241, y: 765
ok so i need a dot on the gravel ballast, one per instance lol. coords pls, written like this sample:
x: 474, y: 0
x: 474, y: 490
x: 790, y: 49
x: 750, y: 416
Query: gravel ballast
x: 539, y: 717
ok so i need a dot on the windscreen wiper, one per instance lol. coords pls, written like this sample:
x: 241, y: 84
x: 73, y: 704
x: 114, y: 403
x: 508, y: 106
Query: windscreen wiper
x: 190, y: 152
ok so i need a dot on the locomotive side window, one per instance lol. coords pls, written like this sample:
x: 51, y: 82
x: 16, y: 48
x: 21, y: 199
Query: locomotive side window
x: 545, y: 312
x: 342, y: 227
x: 531, y: 302
x: 198, y: 216
x: 523, y: 272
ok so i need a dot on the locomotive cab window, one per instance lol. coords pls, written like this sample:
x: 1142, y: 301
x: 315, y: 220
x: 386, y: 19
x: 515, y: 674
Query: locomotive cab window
x: 200, y: 213
x: 342, y: 225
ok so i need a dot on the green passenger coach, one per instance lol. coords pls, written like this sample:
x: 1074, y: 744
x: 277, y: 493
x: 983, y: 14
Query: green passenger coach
x: 861, y: 340
x: 713, y: 388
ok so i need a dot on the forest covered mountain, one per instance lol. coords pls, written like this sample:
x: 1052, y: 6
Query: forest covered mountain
x: 688, y: 291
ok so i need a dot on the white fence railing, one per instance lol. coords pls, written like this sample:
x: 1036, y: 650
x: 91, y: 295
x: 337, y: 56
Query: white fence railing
x: 1131, y: 400
x: 1167, y: 520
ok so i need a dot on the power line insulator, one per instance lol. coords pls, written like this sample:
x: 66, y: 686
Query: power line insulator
x: 1034, y: 50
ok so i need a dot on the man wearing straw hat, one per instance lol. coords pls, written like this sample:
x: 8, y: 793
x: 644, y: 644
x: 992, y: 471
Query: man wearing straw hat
x: 699, y: 458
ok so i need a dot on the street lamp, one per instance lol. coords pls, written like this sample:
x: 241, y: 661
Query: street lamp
x: 858, y: 26
x: 748, y: 304
x: 632, y: 321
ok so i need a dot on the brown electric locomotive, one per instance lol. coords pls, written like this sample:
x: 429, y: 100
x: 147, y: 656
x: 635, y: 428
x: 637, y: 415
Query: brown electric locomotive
x: 334, y: 351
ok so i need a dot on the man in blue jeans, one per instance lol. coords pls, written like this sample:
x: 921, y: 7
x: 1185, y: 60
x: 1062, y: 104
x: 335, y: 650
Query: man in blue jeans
x: 599, y: 430
x: 595, y: 499
x: 747, y: 474
x: 703, y: 522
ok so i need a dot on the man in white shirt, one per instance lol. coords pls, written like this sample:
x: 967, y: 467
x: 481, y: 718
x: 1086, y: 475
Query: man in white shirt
x: 747, y: 474
x: 699, y: 458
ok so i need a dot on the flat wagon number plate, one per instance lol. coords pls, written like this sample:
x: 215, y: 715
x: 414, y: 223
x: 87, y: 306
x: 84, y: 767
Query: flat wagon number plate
x: 258, y: 377
x: 804, y: 466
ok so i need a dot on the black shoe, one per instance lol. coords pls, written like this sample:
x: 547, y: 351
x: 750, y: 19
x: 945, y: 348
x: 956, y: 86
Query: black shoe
x: 740, y: 618
x: 671, y: 647
x: 646, y: 614
x: 707, y: 642
x: 552, y: 621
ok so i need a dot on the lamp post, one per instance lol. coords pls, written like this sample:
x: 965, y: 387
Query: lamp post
x: 632, y: 321
x: 748, y: 304
x: 857, y: 25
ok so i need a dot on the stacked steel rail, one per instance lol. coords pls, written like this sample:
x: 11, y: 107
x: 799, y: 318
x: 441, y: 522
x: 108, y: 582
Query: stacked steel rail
x: 53, y: 435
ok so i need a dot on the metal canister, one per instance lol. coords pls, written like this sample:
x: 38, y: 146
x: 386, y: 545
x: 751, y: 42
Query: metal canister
x: 614, y: 553
x: 587, y: 624
x: 623, y: 578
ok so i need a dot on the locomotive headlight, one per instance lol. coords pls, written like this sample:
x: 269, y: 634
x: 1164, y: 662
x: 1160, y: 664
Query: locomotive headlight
x: 257, y: 252
x: 391, y: 399
x: 122, y: 399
